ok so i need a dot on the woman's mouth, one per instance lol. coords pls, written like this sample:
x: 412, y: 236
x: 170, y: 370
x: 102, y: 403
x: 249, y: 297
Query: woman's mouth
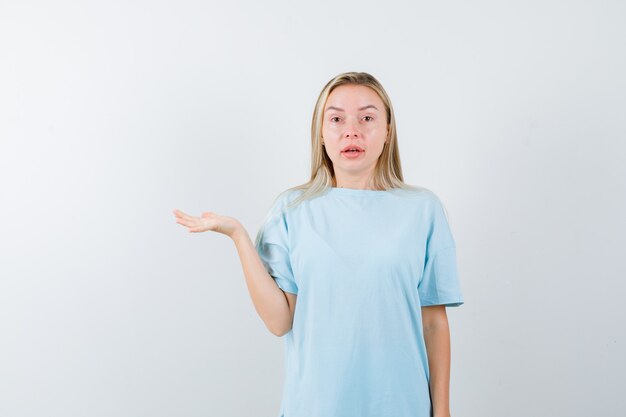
x: 352, y: 153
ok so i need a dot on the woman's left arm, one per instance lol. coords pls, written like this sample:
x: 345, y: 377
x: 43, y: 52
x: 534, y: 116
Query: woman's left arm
x: 437, y: 338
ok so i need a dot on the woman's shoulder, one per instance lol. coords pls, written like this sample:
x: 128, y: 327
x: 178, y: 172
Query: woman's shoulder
x: 281, y: 202
x: 424, y: 197
x: 285, y: 197
x: 416, y: 191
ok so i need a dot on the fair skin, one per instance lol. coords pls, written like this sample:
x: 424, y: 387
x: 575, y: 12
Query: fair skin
x: 275, y: 306
x: 437, y: 338
x: 353, y: 115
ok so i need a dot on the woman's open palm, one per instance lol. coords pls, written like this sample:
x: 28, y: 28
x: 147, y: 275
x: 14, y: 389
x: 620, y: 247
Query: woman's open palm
x: 208, y: 221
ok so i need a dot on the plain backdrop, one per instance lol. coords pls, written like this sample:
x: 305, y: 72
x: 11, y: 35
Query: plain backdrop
x: 112, y: 114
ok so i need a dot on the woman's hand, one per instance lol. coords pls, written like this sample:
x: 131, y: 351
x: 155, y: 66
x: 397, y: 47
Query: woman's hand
x: 209, y: 221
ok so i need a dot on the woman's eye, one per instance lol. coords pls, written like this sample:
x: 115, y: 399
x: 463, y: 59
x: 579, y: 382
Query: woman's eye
x: 371, y: 118
x: 332, y: 119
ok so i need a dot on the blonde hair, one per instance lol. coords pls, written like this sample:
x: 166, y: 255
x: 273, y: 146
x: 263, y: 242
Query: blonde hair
x: 388, y: 171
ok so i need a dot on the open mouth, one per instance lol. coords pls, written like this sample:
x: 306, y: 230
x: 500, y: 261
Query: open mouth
x: 352, y: 153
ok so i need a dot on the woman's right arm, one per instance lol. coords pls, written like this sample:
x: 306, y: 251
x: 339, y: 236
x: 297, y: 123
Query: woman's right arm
x: 275, y: 307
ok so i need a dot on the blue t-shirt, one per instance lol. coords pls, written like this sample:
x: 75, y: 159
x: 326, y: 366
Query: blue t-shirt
x: 362, y: 262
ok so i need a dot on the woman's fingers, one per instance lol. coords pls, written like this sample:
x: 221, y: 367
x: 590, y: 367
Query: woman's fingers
x: 186, y: 220
x: 208, y: 221
x: 185, y: 217
x: 180, y: 214
x: 195, y: 225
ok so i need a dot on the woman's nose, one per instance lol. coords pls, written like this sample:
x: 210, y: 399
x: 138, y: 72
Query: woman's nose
x: 352, y: 129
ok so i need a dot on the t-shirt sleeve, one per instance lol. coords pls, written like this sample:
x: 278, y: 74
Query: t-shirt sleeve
x: 439, y: 283
x: 272, y: 245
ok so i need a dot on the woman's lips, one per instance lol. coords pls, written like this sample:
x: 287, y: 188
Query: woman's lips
x: 352, y: 154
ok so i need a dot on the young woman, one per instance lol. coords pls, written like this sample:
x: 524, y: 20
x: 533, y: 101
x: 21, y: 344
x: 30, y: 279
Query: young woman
x: 355, y: 268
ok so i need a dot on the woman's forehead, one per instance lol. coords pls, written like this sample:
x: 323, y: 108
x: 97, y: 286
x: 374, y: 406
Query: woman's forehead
x: 359, y: 97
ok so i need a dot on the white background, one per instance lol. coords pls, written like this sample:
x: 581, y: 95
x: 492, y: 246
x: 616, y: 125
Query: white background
x: 112, y: 114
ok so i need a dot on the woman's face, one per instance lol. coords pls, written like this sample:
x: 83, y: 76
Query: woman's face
x: 354, y: 116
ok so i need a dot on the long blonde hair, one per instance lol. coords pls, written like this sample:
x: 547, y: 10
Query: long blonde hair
x: 388, y: 171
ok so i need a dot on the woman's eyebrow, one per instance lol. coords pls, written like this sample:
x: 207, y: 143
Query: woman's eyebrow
x: 362, y: 108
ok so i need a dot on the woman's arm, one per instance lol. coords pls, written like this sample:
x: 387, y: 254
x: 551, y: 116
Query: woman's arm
x: 437, y: 338
x: 272, y: 304
x: 275, y: 308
